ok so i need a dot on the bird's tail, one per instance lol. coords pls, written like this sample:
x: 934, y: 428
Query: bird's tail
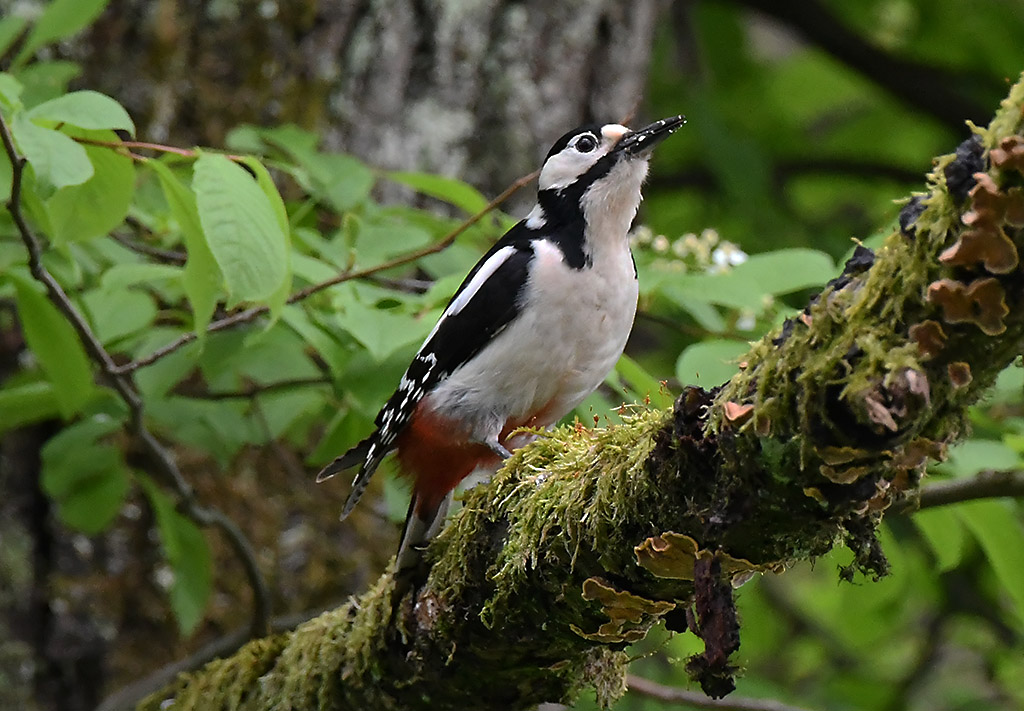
x: 368, y: 455
x: 421, y: 524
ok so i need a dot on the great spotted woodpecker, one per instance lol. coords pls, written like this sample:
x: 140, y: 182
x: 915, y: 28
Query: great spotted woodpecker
x: 535, y: 327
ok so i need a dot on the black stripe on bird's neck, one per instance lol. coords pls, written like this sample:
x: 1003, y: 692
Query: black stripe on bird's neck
x: 564, y: 222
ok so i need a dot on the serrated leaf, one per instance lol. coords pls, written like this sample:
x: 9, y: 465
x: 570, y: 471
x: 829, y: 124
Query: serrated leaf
x: 56, y: 159
x: 95, y: 207
x: 202, y: 279
x: 241, y: 228
x: 452, y: 191
x: 85, y: 476
x: 276, y: 300
x: 61, y: 19
x: 998, y: 530
x: 710, y: 363
x: 27, y: 403
x: 85, y: 109
x: 189, y: 556
x: 55, y: 343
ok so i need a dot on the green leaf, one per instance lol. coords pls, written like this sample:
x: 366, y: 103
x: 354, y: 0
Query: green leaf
x: 710, y: 363
x: 116, y: 314
x: 85, y: 109
x: 345, y: 181
x: 202, y: 279
x: 6, y: 178
x: 745, y: 286
x: 157, y: 379
x: 784, y: 271
x: 121, y: 276
x: 95, y: 207
x: 85, y: 476
x: 27, y: 403
x: 55, y: 343
x: 241, y: 227
x: 326, y: 345
x: 10, y: 92
x: 277, y: 300
x: 977, y: 455
x: 342, y: 180
x: 57, y: 160
x: 452, y: 191
x: 642, y: 382
x: 10, y: 29
x: 46, y: 80
x: 281, y: 409
x: 998, y: 530
x: 381, y: 331
x: 945, y: 534
x: 61, y: 19
x: 189, y: 555
x: 384, y: 237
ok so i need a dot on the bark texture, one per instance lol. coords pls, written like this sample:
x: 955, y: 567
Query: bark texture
x: 476, y: 88
x: 587, y: 538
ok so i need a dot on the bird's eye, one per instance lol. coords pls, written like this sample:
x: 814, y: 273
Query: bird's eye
x: 586, y: 143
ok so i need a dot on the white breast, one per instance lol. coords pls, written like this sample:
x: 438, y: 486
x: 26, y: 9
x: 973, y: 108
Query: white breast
x: 571, y: 331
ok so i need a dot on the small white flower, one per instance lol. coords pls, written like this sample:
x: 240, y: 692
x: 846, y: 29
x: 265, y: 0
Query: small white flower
x: 728, y: 255
x: 746, y: 321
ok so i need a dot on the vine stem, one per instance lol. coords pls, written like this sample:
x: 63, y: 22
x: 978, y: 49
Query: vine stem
x: 124, y: 386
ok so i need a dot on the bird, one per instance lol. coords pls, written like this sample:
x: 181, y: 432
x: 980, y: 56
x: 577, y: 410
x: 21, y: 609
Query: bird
x: 535, y: 327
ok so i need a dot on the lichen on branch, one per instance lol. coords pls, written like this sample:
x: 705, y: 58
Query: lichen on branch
x: 588, y: 537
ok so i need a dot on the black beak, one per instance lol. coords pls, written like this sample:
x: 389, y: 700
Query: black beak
x: 642, y: 141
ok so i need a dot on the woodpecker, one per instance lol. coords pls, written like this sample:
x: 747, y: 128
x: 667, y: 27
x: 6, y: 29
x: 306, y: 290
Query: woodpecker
x: 536, y: 326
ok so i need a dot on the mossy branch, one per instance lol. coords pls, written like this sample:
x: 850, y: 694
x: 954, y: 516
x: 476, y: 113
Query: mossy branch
x: 588, y: 537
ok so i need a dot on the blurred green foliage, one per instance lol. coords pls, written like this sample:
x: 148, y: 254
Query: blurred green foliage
x: 788, y: 154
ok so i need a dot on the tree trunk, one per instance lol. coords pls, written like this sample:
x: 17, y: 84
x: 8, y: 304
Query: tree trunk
x: 588, y: 537
x: 476, y: 89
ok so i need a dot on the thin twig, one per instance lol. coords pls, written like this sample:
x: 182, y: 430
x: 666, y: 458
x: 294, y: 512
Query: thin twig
x: 983, y: 485
x: 255, y: 312
x: 125, y: 388
x: 145, y: 145
x: 251, y: 391
x: 165, y: 256
x: 697, y: 700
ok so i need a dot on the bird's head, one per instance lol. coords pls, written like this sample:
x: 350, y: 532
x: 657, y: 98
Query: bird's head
x: 597, y: 168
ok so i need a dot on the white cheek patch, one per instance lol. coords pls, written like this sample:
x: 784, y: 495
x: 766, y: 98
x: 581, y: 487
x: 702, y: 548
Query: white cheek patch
x: 564, y: 168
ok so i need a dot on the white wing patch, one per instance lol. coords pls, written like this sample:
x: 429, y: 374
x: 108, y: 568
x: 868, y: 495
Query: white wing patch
x: 479, y: 279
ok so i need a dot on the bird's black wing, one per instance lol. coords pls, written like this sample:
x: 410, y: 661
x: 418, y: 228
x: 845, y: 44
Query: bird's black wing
x: 483, y: 306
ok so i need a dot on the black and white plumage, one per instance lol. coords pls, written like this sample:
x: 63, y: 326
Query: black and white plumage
x: 535, y: 327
